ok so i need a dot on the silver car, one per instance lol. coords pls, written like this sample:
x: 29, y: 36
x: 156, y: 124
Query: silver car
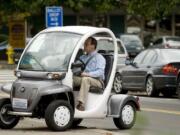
x: 166, y: 42
x: 106, y: 44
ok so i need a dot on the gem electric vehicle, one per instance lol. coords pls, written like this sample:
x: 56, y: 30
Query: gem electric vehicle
x: 44, y: 84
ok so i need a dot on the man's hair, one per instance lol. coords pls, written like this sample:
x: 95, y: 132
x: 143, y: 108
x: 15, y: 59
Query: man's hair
x: 93, y: 41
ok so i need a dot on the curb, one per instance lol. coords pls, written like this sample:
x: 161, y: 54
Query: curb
x: 7, y: 66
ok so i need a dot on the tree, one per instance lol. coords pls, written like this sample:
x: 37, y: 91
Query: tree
x: 25, y: 8
x: 151, y: 9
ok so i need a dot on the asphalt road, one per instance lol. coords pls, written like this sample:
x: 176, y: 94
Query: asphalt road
x: 158, y: 116
x: 162, y: 118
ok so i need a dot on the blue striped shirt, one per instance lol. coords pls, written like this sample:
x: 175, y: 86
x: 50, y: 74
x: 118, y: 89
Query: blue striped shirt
x: 96, y: 66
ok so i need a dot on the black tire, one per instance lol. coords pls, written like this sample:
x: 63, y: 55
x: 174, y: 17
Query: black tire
x: 76, y: 122
x: 178, y: 88
x: 7, y: 121
x: 150, y: 87
x: 117, y: 85
x: 62, y: 122
x: 168, y: 92
x: 126, y: 121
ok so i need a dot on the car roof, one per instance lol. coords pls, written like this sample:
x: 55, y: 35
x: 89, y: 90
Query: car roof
x: 109, y: 38
x: 167, y: 37
x: 73, y: 29
x: 162, y: 49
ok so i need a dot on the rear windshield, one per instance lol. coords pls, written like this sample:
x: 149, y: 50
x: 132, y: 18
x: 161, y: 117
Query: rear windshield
x: 131, y: 40
x: 173, y: 39
x: 171, y: 54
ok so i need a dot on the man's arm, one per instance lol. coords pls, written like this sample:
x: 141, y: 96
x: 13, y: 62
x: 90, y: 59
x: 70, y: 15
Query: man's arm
x: 96, y: 67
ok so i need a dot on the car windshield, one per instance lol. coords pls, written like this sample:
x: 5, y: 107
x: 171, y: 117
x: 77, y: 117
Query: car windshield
x: 171, y: 55
x: 131, y: 41
x: 49, y: 52
x: 173, y: 39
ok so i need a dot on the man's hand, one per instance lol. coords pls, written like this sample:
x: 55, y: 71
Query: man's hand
x: 84, y: 74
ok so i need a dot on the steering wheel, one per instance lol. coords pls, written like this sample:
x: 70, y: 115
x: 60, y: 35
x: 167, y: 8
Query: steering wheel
x: 83, y: 65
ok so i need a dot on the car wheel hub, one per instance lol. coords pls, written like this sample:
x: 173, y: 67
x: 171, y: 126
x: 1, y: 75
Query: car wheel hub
x: 127, y: 114
x: 149, y: 86
x: 62, y: 116
x: 118, y: 84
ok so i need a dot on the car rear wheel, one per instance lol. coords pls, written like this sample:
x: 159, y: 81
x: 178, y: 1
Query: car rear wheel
x: 127, y: 117
x: 150, y: 87
x: 117, y: 85
x: 59, y: 115
x: 7, y: 121
x: 168, y: 92
x: 178, y: 88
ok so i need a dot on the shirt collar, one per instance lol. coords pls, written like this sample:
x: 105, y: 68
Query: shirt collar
x: 92, y: 53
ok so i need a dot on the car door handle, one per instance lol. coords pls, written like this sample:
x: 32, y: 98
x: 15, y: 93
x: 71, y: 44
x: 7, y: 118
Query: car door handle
x: 148, y: 66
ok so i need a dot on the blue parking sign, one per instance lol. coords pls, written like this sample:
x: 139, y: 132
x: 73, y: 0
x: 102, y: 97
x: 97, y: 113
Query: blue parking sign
x: 54, y: 16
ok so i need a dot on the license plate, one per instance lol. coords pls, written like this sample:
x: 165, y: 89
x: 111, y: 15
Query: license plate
x: 19, y: 103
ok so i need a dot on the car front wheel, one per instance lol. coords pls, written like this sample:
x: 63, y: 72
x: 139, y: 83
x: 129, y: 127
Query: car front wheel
x: 59, y: 115
x: 117, y: 85
x: 7, y: 121
x: 178, y: 88
x: 127, y: 117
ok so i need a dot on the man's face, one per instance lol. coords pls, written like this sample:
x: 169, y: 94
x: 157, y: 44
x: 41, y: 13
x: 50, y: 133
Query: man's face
x: 88, y: 47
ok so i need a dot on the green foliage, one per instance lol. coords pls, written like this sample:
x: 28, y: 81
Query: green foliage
x: 152, y: 9
x: 147, y: 8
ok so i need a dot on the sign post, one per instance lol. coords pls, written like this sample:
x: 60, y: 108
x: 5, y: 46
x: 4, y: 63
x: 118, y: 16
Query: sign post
x: 54, y: 16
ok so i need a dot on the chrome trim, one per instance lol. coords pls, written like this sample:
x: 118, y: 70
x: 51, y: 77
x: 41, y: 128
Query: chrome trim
x: 20, y: 113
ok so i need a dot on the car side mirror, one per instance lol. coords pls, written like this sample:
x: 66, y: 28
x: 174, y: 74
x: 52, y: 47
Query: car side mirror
x: 134, y: 64
x: 128, y: 62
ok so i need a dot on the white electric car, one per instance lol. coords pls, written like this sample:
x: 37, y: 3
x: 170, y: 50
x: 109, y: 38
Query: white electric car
x: 44, y: 84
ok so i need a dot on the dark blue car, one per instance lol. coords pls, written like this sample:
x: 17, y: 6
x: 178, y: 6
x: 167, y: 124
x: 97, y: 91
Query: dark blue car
x: 153, y: 71
x: 3, y: 48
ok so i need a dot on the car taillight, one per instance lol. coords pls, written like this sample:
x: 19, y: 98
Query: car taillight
x: 167, y: 69
x: 167, y: 46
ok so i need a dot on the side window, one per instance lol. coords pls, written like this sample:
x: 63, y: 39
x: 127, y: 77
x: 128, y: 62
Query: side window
x: 120, y: 48
x: 138, y: 59
x: 149, y: 58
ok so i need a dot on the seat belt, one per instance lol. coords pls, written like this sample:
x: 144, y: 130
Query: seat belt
x: 101, y: 81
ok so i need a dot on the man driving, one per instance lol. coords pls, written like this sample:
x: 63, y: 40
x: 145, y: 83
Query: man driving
x: 93, y: 74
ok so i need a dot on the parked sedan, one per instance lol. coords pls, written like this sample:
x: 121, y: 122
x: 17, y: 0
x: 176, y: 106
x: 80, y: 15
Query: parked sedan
x: 132, y: 43
x: 166, y: 42
x: 178, y: 84
x: 153, y: 71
